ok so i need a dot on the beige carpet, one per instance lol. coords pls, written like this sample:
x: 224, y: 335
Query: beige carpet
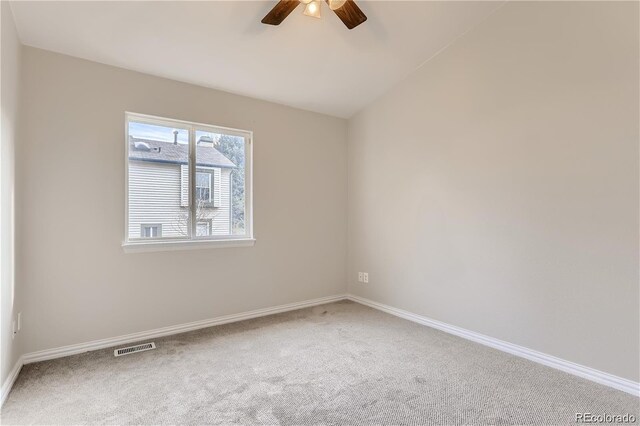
x: 340, y: 363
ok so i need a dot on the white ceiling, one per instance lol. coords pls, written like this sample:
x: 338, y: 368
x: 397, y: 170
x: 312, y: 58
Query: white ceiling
x: 313, y: 64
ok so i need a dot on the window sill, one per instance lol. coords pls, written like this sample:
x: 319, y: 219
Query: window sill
x: 151, y: 246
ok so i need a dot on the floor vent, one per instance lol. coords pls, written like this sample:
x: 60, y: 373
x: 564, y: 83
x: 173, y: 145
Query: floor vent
x: 132, y: 349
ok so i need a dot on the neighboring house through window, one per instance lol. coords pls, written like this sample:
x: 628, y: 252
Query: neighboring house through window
x: 186, y: 181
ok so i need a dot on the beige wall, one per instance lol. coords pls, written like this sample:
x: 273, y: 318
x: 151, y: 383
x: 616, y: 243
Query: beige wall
x: 496, y: 189
x: 81, y: 286
x: 9, y: 92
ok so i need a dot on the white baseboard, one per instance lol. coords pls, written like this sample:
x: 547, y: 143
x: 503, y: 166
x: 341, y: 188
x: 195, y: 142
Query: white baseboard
x: 588, y: 373
x: 10, y: 380
x: 175, y: 329
x: 579, y: 370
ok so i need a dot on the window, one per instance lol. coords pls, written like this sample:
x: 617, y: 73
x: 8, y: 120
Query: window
x: 203, y: 228
x: 186, y: 183
x: 203, y: 186
x: 151, y: 231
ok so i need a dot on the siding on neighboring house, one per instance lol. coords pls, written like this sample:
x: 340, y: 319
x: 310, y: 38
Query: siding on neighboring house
x: 156, y: 197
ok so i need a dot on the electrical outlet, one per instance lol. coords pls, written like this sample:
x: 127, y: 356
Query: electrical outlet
x: 360, y: 276
x: 365, y: 277
x: 19, y: 321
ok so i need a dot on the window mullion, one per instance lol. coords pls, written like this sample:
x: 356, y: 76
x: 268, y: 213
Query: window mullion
x: 192, y: 183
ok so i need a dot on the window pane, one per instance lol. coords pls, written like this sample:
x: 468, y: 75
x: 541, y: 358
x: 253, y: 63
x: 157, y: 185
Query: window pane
x: 158, y: 181
x: 223, y: 156
x: 203, y: 194
x: 203, y: 180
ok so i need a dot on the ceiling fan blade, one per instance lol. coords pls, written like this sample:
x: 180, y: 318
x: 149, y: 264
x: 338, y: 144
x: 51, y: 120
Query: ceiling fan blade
x: 280, y: 11
x: 350, y: 14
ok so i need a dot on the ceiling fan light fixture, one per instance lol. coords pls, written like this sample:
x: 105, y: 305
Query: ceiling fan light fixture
x: 312, y: 9
x: 346, y: 10
x: 336, y: 4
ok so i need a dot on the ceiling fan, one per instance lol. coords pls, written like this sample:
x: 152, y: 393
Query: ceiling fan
x: 347, y: 10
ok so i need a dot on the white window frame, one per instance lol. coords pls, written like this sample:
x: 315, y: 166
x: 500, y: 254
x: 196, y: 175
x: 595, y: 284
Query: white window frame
x: 192, y: 241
